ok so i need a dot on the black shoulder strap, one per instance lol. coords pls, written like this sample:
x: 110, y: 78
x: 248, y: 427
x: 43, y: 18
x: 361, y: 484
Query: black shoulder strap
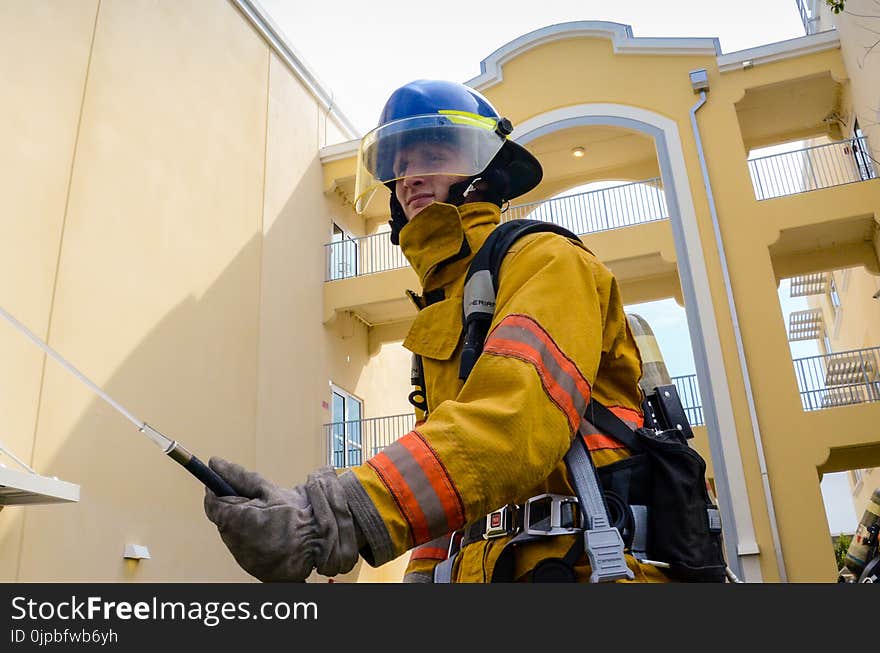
x: 481, y: 284
x: 610, y: 424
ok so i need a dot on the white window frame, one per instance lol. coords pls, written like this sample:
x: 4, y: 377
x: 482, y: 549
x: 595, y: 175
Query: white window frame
x: 342, y: 260
x: 352, y: 447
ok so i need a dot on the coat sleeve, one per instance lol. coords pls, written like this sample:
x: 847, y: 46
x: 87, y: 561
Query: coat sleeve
x: 512, y: 421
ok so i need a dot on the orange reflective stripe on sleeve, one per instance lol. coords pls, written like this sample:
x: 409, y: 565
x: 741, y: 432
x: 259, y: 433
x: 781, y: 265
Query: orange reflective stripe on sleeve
x: 421, y: 487
x: 429, y: 553
x: 519, y: 336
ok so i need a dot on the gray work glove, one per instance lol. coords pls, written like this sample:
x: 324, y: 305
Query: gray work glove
x: 282, y: 534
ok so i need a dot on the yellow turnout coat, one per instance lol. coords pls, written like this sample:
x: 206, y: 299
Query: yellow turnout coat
x: 559, y: 336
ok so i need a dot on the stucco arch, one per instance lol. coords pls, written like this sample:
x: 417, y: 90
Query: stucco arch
x: 740, y: 537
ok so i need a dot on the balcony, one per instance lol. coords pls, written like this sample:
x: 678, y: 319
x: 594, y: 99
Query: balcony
x: 352, y: 443
x: 806, y: 285
x: 807, y: 16
x: 689, y: 392
x: 806, y: 325
x: 812, y: 168
x: 584, y: 213
x: 839, y: 379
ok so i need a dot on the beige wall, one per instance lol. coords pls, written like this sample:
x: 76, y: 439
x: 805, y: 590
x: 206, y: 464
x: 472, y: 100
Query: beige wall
x: 858, y: 324
x: 44, y: 93
x: 858, y: 28
x: 164, y: 177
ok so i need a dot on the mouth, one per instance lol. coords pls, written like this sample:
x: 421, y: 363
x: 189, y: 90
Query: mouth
x: 419, y: 196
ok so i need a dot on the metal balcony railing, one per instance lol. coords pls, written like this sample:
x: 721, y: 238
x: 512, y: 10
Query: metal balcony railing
x: 689, y: 392
x: 355, y: 257
x: 806, y: 285
x: 812, y: 168
x: 599, y: 210
x: 839, y: 379
x: 583, y: 213
x: 808, y: 324
x: 352, y: 443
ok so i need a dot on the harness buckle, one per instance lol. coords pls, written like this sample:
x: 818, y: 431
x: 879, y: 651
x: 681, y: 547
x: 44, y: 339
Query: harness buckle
x: 502, y: 522
x: 561, y: 510
x: 455, y: 539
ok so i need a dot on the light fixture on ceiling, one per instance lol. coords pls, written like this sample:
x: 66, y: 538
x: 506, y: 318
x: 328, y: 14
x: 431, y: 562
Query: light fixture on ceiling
x: 578, y: 152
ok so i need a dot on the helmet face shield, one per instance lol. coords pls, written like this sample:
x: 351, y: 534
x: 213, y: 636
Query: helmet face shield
x: 448, y: 143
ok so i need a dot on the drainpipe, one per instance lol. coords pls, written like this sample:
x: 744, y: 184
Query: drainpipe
x: 699, y: 82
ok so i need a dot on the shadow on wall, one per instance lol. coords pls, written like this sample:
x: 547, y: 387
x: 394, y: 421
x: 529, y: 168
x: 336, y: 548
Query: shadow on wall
x: 193, y: 377
x: 186, y: 381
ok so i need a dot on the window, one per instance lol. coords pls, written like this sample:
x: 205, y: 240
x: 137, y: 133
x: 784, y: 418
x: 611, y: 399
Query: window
x: 857, y: 475
x: 346, y: 411
x: 833, y: 295
x: 834, y: 298
x: 342, y: 260
x: 861, y: 154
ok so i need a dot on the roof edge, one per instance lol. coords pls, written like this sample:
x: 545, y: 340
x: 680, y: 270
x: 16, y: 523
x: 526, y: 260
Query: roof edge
x: 276, y: 39
x: 796, y: 47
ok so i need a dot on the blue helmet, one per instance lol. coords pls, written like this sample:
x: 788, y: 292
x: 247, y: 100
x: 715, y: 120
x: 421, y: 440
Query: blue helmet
x: 431, y: 111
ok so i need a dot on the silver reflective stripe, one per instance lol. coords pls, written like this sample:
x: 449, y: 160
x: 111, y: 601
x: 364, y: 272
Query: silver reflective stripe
x: 421, y: 488
x: 562, y: 377
x: 479, y: 294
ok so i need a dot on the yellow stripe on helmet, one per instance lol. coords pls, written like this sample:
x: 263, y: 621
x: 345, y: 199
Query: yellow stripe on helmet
x: 468, y: 118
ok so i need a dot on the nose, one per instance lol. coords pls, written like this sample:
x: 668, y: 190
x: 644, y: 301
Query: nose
x: 413, y: 181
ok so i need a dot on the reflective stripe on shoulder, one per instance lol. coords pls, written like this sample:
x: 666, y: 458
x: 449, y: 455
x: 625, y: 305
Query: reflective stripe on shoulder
x: 421, y: 487
x: 520, y: 336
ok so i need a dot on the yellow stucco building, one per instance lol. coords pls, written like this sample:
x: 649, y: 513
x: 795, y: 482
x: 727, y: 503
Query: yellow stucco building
x: 178, y: 224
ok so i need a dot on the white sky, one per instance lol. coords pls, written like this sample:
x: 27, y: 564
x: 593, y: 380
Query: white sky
x: 362, y: 51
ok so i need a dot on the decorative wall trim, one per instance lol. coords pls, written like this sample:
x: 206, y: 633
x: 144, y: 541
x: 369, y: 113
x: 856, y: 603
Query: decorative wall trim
x: 624, y: 42
x: 339, y: 151
x: 619, y: 34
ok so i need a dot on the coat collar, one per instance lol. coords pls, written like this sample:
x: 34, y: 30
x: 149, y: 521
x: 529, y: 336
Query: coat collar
x: 440, y: 241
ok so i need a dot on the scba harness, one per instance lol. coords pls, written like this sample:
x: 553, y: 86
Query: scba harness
x: 654, y: 505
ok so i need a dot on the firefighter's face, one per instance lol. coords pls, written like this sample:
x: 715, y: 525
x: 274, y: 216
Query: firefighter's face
x: 421, y: 180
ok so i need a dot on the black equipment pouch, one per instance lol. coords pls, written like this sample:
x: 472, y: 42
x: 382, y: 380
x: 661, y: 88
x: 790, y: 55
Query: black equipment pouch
x: 668, y: 476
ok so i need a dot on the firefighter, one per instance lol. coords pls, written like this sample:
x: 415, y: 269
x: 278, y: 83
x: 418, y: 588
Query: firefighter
x: 559, y: 336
